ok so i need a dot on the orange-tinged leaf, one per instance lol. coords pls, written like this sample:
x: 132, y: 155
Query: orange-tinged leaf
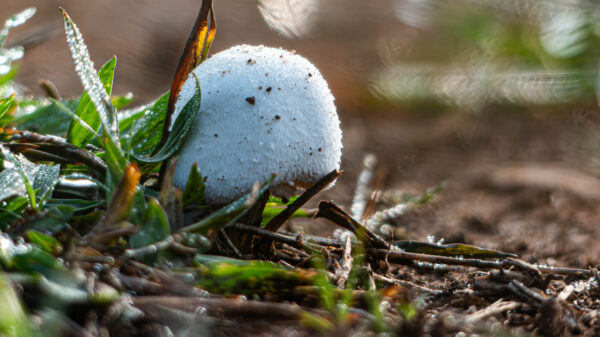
x: 195, y: 52
x: 121, y: 201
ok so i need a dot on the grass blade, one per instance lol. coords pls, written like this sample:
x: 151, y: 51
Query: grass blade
x: 155, y: 226
x: 88, y: 76
x: 78, y: 135
x: 194, y: 188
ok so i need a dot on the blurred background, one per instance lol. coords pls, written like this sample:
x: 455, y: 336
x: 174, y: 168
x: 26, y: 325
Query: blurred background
x: 458, y: 92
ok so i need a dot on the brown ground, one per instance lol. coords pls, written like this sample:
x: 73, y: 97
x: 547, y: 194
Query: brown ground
x: 521, y: 183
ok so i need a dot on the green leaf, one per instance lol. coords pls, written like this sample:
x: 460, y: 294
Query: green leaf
x: 11, y: 212
x: 271, y: 211
x: 179, y: 131
x: 13, y: 319
x: 46, y: 118
x: 230, y: 276
x: 24, y: 178
x: 121, y: 101
x: 8, y: 77
x: 155, y: 226
x: 146, y: 126
x: 86, y: 110
x: 11, y: 184
x: 89, y: 78
x: 26, y: 257
x: 26, y: 171
x: 46, y: 242
x: 227, y: 214
x: 275, y: 206
x: 6, y: 105
x: 52, y: 220
x: 194, y: 188
x: 115, y: 160
x: 15, y: 21
x: 46, y: 178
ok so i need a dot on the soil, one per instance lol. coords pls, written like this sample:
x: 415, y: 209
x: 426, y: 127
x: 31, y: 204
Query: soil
x: 525, y: 183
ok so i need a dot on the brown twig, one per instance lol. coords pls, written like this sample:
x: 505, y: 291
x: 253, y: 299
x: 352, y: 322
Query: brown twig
x: 335, y: 214
x: 231, y: 308
x: 520, y: 290
x: 59, y: 147
x: 292, y: 241
x: 402, y: 257
x: 407, y: 284
x: 495, y: 308
x: 287, y: 213
x: 345, y: 263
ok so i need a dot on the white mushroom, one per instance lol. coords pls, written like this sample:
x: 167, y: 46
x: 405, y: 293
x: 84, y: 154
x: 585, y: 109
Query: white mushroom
x: 263, y: 111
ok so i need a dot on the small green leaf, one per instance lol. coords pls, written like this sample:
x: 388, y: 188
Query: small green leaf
x: 271, y: 211
x: 276, y: 206
x: 6, y: 105
x: 7, y: 78
x: 194, y: 188
x: 89, y: 78
x: 11, y: 212
x: 121, y: 101
x: 13, y: 319
x: 86, y: 110
x: 46, y: 242
x: 230, y: 276
x: 48, y: 117
x: 11, y: 184
x: 155, y: 226
x: 146, y: 126
x: 25, y: 257
x: 179, y: 131
x: 52, y: 220
x: 115, y: 160
x: 45, y: 179
x: 26, y: 172
x: 227, y: 214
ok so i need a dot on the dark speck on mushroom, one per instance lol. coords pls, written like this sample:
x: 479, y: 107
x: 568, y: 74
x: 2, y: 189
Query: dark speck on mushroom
x: 216, y: 135
x: 277, y: 117
x: 309, y: 75
x: 251, y: 100
x: 250, y: 62
x: 320, y: 149
x: 260, y: 87
x: 269, y: 89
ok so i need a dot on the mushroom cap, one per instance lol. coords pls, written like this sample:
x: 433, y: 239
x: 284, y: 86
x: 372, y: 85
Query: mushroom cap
x: 263, y: 111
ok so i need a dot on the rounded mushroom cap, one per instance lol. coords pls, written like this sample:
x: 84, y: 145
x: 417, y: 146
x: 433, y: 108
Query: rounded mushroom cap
x: 263, y: 111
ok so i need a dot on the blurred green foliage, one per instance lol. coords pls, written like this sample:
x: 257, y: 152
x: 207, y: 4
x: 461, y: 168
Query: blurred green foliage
x: 474, y: 54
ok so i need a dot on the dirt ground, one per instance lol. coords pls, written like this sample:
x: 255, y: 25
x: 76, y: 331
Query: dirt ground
x: 525, y: 183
